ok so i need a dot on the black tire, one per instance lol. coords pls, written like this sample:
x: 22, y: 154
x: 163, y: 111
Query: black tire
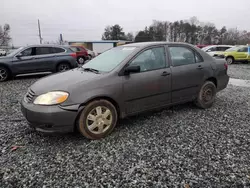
x: 83, y: 122
x: 206, y: 96
x: 61, y: 67
x: 230, y: 60
x: 81, y: 60
x: 4, y: 74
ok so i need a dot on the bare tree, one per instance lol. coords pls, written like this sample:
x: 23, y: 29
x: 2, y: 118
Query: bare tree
x: 4, y: 35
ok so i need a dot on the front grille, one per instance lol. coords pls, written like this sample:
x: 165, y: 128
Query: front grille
x: 29, y: 96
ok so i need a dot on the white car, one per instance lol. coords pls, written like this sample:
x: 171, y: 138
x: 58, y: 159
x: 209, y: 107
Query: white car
x: 92, y: 54
x: 2, y: 52
x: 213, y: 49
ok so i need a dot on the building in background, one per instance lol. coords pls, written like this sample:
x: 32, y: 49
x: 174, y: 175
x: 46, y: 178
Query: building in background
x: 99, y: 46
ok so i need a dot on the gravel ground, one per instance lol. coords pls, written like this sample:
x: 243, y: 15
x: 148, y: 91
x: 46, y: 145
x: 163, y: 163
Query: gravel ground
x: 180, y: 148
x: 239, y: 71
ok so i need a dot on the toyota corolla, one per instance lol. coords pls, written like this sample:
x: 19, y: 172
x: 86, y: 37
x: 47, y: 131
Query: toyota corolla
x: 121, y: 82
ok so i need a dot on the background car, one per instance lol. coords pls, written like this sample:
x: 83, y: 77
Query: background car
x: 81, y: 53
x: 37, y: 59
x: 202, y: 45
x: 213, y: 49
x: 91, y: 54
x: 235, y: 54
x: 2, y: 52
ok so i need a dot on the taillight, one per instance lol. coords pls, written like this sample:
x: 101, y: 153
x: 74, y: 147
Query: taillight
x: 73, y: 55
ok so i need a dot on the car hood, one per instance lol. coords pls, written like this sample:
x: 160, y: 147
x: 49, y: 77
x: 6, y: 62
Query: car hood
x: 63, y: 81
x: 4, y: 58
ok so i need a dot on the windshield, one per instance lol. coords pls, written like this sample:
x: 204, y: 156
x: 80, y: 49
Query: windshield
x: 109, y: 59
x: 13, y: 52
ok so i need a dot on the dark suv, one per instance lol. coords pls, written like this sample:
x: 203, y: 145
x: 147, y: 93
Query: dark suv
x: 37, y: 59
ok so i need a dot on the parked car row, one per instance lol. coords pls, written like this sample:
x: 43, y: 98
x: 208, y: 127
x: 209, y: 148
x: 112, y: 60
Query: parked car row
x: 231, y: 53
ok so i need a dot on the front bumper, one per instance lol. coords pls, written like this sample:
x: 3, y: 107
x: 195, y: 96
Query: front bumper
x: 49, y: 118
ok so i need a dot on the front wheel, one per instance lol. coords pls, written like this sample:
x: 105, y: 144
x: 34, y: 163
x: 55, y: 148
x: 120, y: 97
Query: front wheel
x: 98, y: 119
x: 4, y: 74
x: 206, y: 95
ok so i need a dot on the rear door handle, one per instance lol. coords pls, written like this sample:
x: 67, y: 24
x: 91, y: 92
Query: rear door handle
x: 199, y: 67
x: 165, y: 73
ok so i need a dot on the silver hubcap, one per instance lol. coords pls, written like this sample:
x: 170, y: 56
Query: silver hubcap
x: 99, y: 120
x: 3, y: 74
x: 63, y: 68
x: 81, y: 60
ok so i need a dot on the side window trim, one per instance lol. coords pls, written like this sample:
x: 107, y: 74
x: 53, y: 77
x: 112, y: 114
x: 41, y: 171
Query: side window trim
x: 167, y: 65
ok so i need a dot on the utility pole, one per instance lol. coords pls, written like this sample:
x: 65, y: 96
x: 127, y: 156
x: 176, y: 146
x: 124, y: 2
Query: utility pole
x: 39, y: 30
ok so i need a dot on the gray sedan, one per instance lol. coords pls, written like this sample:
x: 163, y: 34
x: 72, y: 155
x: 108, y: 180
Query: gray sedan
x: 121, y: 82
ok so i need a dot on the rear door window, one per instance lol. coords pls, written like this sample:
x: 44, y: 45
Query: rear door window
x: 58, y: 50
x: 182, y: 56
x: 43, y: 50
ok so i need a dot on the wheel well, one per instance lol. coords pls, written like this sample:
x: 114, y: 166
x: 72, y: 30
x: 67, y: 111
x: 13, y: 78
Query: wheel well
x: 99, y: 98
x: 66, y: 62
x: 214, y: 80
x: 5, y: 66
x: 230, y: 57
x: 108, y: 99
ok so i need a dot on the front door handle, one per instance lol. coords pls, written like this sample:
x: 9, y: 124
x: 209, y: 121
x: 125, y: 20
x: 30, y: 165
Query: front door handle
x: 199, y: 67
x: 165, y: 73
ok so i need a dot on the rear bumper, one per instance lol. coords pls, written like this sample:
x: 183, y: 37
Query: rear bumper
x: 49, y: 118
x: 222, y: 82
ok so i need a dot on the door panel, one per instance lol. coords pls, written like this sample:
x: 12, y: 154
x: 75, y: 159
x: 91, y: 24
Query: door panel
x: 151, y: 87
x: 188, y: 73
x: 25, y: 63
x: 147, y: 90
x: 187, y: 79
x: 45, y: 59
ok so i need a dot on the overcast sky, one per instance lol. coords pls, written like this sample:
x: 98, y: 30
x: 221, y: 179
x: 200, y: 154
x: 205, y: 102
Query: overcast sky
x: 86, y: 19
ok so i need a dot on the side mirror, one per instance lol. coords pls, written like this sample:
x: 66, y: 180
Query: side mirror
x: 131, y: 69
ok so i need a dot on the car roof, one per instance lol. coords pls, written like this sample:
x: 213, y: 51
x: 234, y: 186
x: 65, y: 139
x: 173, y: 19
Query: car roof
x: 146, y: 44
x: 46, y: 45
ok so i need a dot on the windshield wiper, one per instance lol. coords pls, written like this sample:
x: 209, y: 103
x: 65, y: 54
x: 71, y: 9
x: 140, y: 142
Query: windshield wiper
x: 91, y: 70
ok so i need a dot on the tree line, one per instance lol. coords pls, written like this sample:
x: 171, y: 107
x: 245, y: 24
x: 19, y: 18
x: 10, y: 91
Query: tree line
x: 191, y: 31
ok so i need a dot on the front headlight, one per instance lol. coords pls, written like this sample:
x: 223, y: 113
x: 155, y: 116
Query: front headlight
x: 51, y: 98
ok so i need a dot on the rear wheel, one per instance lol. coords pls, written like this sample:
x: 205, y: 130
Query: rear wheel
x: 206, y: 95
x: 63, y: 67
x: 230, y: 60
x: 97, y: 120
x: 4, y: 74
